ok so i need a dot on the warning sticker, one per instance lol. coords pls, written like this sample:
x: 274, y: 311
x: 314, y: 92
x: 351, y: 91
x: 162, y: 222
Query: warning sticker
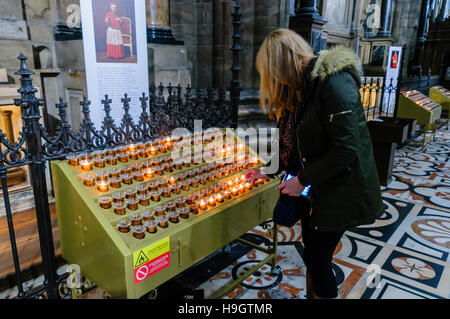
x: 151, y: 259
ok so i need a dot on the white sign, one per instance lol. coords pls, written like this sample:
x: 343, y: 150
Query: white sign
x: 115, y: 53
x: 392, y: 73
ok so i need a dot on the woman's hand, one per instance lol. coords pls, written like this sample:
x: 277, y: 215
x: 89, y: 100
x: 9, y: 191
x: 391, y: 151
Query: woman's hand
x: 291, y: 187
x: 254, y: 174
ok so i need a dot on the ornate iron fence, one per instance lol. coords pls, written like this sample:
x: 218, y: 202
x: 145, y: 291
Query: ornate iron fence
x: 161, y: 112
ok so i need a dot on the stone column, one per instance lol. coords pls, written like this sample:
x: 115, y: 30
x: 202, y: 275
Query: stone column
x: 158, y: 23
x: 309, y: 24
x: 424, y: 16
x: 384, y: 31
x: 443, y: 13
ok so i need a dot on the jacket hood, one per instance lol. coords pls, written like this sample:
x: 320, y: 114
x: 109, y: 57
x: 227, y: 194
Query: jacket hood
x: 334, y: 60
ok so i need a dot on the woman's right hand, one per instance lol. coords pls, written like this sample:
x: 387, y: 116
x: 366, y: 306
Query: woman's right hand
x: 254, y: 174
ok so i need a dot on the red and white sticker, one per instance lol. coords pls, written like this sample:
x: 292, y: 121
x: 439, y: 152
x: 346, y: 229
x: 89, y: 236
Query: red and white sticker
x: 151, y: 259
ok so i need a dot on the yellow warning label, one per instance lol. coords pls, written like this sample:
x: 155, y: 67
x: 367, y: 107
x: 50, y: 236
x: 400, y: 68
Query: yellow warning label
x: 151, y: 252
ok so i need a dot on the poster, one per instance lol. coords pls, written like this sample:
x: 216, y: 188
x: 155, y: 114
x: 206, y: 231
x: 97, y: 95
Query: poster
x: 392, y: 72
x: 115, y: 51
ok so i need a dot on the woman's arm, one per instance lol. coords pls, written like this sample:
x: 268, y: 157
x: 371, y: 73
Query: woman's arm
x: 340, y: 102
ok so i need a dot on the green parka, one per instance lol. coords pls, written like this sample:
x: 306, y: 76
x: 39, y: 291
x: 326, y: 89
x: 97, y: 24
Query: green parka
x: 335, y: 145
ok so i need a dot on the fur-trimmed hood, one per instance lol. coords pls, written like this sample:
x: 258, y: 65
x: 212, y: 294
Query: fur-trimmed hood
x: 334, y: 60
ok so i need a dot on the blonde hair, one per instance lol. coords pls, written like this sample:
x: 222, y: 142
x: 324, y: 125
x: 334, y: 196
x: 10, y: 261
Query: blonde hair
x: 280, y: 63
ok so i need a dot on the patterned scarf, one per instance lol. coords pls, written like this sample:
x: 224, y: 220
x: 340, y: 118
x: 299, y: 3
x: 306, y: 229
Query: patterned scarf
x: 287, y: 125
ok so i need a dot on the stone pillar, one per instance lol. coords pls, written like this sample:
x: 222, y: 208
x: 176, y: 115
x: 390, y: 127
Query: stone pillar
x: 444, y: 10
x: 309, y: 24
x: 423, y: 22
x: 158, y: 23
x: 352, y: 31
x: 386, y: 8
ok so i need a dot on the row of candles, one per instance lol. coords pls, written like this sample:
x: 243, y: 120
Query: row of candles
x: 421, y: 99
x: 114, y: 178
x: 122, y: 154
x: 153, y: 191
x: 181, y: 207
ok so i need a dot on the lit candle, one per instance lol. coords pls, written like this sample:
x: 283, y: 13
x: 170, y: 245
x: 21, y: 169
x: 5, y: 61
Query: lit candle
x: 102, y: 186
x: 172, y: 180
x: 202, y: 204
x: 241, y: 189
x: 132, y: 148
x: 248, y: 186
x: 73, y: 160
x: 212, y: 201
x: 219, y: 198
x: 230, y: 183
x: 234, y: 191
x: 227, y: 194
x: 86, y: 164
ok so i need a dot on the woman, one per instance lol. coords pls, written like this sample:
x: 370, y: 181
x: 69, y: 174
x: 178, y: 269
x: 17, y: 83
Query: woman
x: 114, y: 39
x: 324, y: 142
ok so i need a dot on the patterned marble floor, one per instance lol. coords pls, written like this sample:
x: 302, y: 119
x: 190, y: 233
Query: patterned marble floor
x: 408, y: 246
x: 404, y: 254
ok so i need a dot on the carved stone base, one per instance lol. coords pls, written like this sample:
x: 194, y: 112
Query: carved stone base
x: 162, y: 36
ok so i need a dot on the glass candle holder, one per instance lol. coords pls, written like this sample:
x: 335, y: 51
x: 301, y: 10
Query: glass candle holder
x: 180, y: 202
x: 207, y: 192
x: 190, y: 173
x: 136, y: 219
x: 159, y: 170
x: 166, y: 192
x: 211, y: 177
x: 101, y: 176
x: 139, y: 176
x: 153, y: 186
x: 110, y: 152
x: 142, y: 189
x: 86, y: 164
x: 127, y: 179
x: 260, y: 182
x: 202, y: 204
x: 162, y: 221
x: 185, y: 185
x: 149, y: 172
x: 133, y: 155
x: 142, y: 153
x: 173, y: 216
x: 170, y: 206
x: 151, y: 226
x: 241, y: 189
x: 102, y: 186
x: 139, y: 231
x: 119, y: 208
x: 145, y: 165
x: 118, y: 197
x: 73, y: 160
x: 132, y: 203
x: 148, y: 215
x: 167, y: 167
x: 114, y: 182
x: 152, y: 151
x: 159, y: 211
x: 203, y: 179
x: 113, y: 172
x: 130, y: 193
x: 162, y: 148
x: 144, y: 199
x: 99, y: 162
x: 105, y: 202
x: 227, y: 194
x: 219, y: 198
x: 248, y: 186
x: 193, y: 208
x: 184, y: 212
x: 163, y: 182
x: 156, y: 195
x: 212, y: 201
x: 189, y: 199
x: 187, y: 161
x: 136, y: 167
x: 88, y: 179
x: 222, y: 186
x: 234, y: 191
x: 123, y: 225
x: 122, y: 157
x: 85, y: 156
x: 225, y: 171
x: 181, y: 177
x: 125, y: 170
x: 175, y: 188
x: 193, y: 182
x: 172, y: 180
x: 178, y: 165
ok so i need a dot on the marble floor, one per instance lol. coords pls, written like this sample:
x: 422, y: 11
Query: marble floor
x: 404, y: 254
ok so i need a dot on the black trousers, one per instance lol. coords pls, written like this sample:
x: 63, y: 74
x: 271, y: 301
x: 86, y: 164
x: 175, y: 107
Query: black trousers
x: 318, y: 255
